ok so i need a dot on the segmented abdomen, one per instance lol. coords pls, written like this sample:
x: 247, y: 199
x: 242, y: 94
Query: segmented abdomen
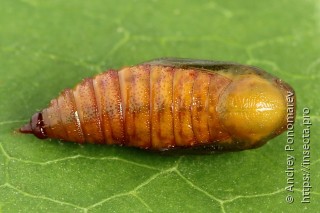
x: 146, y: 106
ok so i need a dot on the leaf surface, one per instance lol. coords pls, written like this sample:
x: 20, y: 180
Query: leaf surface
x: 46, y: 46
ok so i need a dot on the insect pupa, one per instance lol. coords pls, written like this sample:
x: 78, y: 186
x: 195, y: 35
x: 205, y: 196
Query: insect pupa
x: 167, y: 104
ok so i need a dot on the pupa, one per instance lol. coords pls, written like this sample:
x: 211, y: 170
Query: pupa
x: 170, y: 103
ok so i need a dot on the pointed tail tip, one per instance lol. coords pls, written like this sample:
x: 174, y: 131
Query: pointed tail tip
x: 26, y: 129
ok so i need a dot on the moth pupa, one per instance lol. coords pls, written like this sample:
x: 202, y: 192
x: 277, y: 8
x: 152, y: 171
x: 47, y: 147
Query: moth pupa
x: 168, y: 104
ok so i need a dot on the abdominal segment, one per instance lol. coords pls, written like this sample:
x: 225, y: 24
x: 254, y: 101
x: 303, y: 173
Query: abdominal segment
x: 146, y: 106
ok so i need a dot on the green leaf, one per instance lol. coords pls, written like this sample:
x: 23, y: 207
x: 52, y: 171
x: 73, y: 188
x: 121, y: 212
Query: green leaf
x: 46, y: 46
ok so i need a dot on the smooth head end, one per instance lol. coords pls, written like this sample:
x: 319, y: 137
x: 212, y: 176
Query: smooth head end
x: 253, y: 109
x: 35, y: 126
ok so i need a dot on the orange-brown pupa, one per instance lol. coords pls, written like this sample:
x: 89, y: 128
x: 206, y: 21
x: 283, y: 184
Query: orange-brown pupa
x: 170, y: 103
